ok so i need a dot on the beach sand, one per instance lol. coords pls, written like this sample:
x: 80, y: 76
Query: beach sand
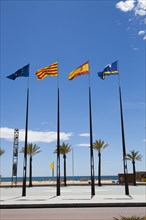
x: 51, y: 183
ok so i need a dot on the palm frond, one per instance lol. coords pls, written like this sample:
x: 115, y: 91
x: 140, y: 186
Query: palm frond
x: 31, y: 149
x: 133, y: 156
x: 99, y: 145
x: 2, y: 152
x: 129, y: 218
x: 64, y: 148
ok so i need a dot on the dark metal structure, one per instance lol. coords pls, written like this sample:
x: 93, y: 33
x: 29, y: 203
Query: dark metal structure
x: 15, y: 157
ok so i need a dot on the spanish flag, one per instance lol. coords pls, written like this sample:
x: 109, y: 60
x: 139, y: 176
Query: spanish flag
x: 83, y: 69
x: 51, y: 70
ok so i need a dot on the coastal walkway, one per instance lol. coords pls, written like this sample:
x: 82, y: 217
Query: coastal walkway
x: 73, y: 196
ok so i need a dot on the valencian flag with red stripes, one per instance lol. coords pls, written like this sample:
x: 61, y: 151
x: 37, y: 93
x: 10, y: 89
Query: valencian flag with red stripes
x: 51, y: 70
x: 83, y: 69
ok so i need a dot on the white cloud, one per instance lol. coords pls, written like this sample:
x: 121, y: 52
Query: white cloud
x: 141, y: 32
x: 138, y: 6
x: 44, y: 122
x: 135, y: 48
x: 140, y: 12
x: 34, y: 136
x: 83, y: 145
x: 84, y: 135
x: 125, y: 5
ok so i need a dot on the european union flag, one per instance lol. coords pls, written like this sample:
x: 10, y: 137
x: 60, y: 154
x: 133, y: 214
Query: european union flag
x: 109, y: 70
x: 24, y: 71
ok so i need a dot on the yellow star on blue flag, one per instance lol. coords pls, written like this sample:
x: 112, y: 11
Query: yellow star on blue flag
x: 110, y: 69
x: 24, y: 71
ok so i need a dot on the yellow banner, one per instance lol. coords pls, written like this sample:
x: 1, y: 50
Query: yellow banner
x: 52, y: 165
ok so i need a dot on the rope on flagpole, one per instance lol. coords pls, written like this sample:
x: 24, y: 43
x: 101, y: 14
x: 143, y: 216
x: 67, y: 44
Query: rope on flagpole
x: 91, y: 144
x: 58, y: 141
x: 123, y: 140
x: 25, y: 146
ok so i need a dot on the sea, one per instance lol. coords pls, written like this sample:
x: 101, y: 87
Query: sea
x: 49, y: 178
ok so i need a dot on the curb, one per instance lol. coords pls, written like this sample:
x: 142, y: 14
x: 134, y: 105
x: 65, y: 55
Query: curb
x: 74, y: 184
x: 71, y: 205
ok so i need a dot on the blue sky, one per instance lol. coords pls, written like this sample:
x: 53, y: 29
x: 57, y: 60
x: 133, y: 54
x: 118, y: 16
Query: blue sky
x: 72, y: 32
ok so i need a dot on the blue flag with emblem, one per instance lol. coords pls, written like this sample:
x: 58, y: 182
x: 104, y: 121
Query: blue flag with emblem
x: 24, y: 71
x: 110, y: 69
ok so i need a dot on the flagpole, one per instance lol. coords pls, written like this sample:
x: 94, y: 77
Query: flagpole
x: 25, y: 146
x: 91, y: 145
x: 123, y: 142
x: 53, y: 170
x: 73, y: 164
x: 58, y: 143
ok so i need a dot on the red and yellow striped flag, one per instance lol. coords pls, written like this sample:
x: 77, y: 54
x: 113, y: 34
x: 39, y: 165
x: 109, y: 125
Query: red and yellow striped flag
x: 51, y: 70
x: 83, y: 69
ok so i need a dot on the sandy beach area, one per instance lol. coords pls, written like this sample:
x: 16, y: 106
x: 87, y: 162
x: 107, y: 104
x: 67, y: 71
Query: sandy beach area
x: 51, y: 183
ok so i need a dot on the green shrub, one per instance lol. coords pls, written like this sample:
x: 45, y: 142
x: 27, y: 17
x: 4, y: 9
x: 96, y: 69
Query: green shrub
x: 130, y: 218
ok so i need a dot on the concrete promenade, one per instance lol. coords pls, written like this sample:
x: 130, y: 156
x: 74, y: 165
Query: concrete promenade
x: 72, y: 196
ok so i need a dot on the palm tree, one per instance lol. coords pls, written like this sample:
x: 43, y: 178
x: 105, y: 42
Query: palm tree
x: 31, y: 151
x: 99, y: 145
x: 2, y: 152
x: 64, y: 149
x: 133, y: 156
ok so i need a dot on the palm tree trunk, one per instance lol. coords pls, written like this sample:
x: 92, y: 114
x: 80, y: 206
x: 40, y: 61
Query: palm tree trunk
x: 64, y: 157
x: 99, y: 169
x: 30, y: 172
x: 134, y: 173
